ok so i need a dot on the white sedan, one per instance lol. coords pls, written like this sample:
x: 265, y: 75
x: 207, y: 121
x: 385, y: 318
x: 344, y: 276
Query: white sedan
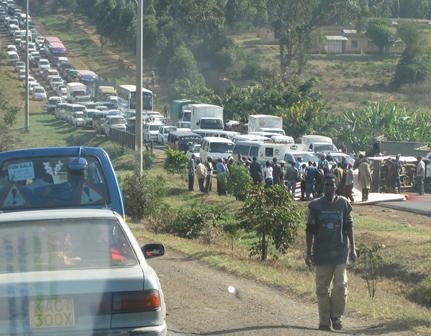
x: 38, y: 93
x: 77, y: 272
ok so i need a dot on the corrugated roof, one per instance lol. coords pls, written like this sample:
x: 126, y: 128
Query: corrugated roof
x: 350, y: 31
x: 336, y: 38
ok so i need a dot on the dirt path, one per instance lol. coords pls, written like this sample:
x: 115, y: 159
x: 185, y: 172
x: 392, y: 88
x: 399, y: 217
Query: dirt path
x: 198, y: 303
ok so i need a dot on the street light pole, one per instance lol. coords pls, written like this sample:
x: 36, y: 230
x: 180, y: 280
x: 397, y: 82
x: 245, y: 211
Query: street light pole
x: 27, y: 91
x: 139, y: 86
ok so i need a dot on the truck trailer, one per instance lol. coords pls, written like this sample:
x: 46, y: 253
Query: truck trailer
x: 265, y: 123
x: 206, y: 116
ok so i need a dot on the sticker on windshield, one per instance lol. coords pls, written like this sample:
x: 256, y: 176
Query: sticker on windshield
x: 14, y: 198
x: 21, y: 171
x: 90, y: 195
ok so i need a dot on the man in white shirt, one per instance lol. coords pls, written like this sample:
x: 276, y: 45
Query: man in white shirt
x: 420, y: 175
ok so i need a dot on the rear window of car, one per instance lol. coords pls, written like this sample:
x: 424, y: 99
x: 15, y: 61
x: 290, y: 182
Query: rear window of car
x: 48, y: 182
x: 44, y: 245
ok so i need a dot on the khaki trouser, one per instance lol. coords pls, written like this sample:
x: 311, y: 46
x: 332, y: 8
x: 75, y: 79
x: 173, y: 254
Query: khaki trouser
x: 331, y: 303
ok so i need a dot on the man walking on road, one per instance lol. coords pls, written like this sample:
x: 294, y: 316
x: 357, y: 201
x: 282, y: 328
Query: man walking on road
x: 329, y: 235
x: 420, y: 176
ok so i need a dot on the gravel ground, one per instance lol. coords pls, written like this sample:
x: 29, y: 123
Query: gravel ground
x: 199, y: 303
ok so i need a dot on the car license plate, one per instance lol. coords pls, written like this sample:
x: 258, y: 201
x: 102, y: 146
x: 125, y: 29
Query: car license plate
x: 52, y: 313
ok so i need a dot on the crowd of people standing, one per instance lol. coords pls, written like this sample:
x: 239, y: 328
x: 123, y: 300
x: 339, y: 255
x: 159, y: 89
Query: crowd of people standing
x: 308, y: 176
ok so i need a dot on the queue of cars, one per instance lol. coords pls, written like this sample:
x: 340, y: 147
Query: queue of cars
x: 69, y: 262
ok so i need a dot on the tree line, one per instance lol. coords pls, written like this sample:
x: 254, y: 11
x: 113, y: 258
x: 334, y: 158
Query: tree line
x: 189, y: 38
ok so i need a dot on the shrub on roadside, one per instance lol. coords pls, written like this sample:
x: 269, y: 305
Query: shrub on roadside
x: 239, y: 182
x: 198, y: 222
x: 142, y: 195
x: 114, y: 150
x: 148, y: 160
x: 369, y: 262
x: 272, y: 214
x: 176, y: 161
x: 422, y: 292
x: 160, y: 220
x: 135, y: 197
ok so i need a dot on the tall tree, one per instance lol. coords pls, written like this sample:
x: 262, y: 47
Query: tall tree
x: 293, y: 21
x: 415, y: 62
x: 380, y: 33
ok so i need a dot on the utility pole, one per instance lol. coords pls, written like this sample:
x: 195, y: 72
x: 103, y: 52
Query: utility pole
x: 27, y: 91
x: 139, y: 86
x: 399, y: 10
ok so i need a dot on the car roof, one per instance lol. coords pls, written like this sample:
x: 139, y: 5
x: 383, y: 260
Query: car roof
x: 218, y: 139
x: 31, y: 215
x: 184, y: 133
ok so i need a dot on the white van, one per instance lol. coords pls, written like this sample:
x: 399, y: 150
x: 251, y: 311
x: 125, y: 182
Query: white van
x: 215, y: 148
x: 249, y: 137
x: 215, y: 133
x: 318, y: 143
x: 248, y: 149
x: 300, y: 156
x: 268, y: 151
x: 12, y: 57
x: 282, y: 139
x: 151, y: 130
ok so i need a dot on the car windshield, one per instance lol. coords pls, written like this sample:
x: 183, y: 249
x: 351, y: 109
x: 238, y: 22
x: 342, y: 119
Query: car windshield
x: 221, y: 147
x: 117, y: 121
x: 187, y: 116
x: 323, y: 147
x: 47, y: 182
x: 154, y: 127
x: 42, y: 245
x: 305, y: 157
x: 211, y: 124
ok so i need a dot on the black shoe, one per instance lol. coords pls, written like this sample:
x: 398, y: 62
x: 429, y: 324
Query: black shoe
x: 336, y: 323
x: 324, y: 327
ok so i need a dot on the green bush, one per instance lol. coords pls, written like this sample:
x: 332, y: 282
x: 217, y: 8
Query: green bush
x: 114, y: 150
x: 142, y: 195
x: 162, y: 219
x: 238, y: 182
x: 422, y: 293
x: 135, y: 197
x: 369, y: 263
x: 176, y: 161
x: 273, y: 215
x: 198, y: 222
x: 148, y: 160
x: 155, y: 187
x: 125, y: 162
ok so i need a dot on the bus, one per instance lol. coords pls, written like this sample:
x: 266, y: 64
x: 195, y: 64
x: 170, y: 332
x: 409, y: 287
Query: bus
x: 89, y: 78
x: 54, y: 47
x: 127, y: 98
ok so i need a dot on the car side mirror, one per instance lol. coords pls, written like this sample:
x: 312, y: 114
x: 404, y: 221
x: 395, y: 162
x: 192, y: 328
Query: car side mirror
x: 153, y: 250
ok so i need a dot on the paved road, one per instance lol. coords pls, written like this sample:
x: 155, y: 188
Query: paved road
x: 413, y: 203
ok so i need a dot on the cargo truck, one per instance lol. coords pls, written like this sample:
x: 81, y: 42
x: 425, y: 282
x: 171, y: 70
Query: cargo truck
x: 265, y: 123
x: 206, y: 117
x: 176, y: 110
